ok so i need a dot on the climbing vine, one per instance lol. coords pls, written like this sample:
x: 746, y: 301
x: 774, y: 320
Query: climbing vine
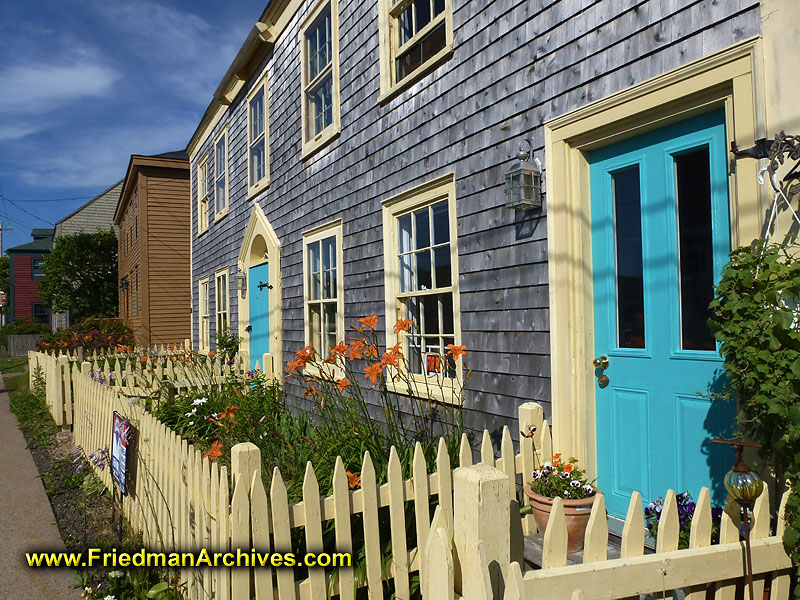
x: 756, y: 319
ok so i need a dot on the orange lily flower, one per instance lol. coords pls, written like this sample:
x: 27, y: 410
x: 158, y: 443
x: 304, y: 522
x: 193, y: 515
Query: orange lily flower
x: 339, y: 349
x: 568, y: 468
x: 228, y: 413
x: 372, y: 351
x: 403, y: 325
x: 370, y: 321
x: 455, y: 351
x: 343, y: 383
x: 373, y: 372
x: 354, y: 351
x: 214, y: 452
x: 353, y: 480
x: 212, y: 353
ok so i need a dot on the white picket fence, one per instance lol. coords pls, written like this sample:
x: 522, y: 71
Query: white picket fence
x: 467, y: 565
x: 153, y: 375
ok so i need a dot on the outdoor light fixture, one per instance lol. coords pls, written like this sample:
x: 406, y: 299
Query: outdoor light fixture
x: 123, y: 284
x: 523, y: 182
x: 240, y: 283
x: 745, y: 487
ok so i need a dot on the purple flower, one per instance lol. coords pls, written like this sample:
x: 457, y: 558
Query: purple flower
x: 565, y: 475
x: 575, y: 483
x: 537, y: 474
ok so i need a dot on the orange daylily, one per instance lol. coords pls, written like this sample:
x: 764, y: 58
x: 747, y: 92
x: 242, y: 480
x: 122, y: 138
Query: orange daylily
x: 370, y: 321
x: 373, y: 372
x: 228, y: 413
x: 343, y: 383
x: 392, y: 356
x: 214, y: 452
x: 143, y: 359
x: 310, y: 391
x: 354, y: 351
x: 372, y: 350
x: 556, y: 456
x: 455, y: 351
x: 568, y: 468
x: 353, y: 479
x: 305, y: 354
x: 295, y: 365
x: 403, y: 325
x: 212, y: 353
x: 339, y: 349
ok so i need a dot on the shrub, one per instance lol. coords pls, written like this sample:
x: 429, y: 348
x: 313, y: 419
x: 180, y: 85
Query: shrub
x: 21, y: 326
x: 90, y: 334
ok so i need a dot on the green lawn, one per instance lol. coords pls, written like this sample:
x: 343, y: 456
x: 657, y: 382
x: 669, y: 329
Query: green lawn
x: 13, y: 364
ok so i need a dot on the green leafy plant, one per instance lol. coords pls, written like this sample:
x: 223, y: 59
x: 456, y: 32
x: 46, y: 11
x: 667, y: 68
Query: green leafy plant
x: 686, y: 506
x: 755, y: 318
x: 227, y: 344
x: 91, y: 334
x: 21, y: 326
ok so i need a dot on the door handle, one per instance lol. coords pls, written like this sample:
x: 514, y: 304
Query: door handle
x: 600, y: 363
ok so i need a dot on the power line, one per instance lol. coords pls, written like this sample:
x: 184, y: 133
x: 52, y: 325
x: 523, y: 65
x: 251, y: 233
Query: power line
x: 27, y: 212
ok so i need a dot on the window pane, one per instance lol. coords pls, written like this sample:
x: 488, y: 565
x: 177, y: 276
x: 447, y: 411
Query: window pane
x: 257, y: 115
x: 314, y: 257
x: 630, y: 274
x: 321, y: 100
x: 438, y: 7
x: 221, y: 200
x: 319, y: 45
x: 424, y: 270
x: 447, y: 313
x: 404, y: 237
x: 327, y: 285
x: 695, y: 237
x: 414, y: 354
x: 430, y: 313
x: 426, y: 48
x: 329, y: 309
x: 329, y: 253
x: 406, y: 25
x: 441, y: 258
x: 422, y: 228
x: 423, y: 13
x: 406, y: 274
x: 220, y: 165
x: 412, y: 311
x: 258, y: 162
x: 315, y: 326
x: 432, y: 344
x: 441, y: 223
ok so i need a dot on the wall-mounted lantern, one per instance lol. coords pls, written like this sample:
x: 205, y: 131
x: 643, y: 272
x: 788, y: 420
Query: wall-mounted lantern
x: 523, y: 182
x: 240, y: 283
x: 123, y: 284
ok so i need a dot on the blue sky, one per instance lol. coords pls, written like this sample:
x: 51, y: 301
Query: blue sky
x: 87, y: 83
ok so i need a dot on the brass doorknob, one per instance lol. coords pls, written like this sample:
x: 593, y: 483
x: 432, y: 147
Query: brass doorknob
x: 603, y: 380
x: 600, y: 363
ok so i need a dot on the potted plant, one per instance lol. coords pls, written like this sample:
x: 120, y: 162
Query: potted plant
x: 566, y: 480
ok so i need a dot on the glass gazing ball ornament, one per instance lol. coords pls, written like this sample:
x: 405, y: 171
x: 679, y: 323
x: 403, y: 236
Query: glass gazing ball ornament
x: 742, y: 484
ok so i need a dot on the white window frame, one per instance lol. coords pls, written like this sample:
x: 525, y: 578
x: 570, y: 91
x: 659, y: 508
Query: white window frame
x: 313, y: 142
x: 443, y: 389
x: 220, y: 292
x: 202, y: 195
x: 314, y: 236
x: 218, y: 174
x: 204, y: 324
x: 388, y: 17
x: 255, y: 187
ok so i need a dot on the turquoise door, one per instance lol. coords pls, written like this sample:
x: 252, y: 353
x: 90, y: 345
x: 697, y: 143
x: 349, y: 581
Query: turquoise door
x: 259, y: 288
x: 660, y: 237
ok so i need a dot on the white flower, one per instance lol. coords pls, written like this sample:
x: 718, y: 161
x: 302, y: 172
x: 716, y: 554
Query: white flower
x: 200, y: 401
x: 115, y: 574
x: 109, y: 597
x: 536, y: 474
x: 192, y: 412
x: 588, y: 488
x: 191, y: 423
x: 548, y: 465
x: 575, y: 483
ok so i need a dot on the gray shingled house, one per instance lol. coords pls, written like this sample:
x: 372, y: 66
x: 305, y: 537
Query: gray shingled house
x: 355, y: 159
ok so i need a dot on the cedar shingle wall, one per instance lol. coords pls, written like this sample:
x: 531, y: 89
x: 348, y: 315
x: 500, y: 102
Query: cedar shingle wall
x: 516, y: 64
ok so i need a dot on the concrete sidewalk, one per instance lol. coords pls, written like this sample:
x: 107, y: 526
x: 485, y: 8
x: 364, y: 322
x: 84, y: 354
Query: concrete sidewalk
x: 27, y: 523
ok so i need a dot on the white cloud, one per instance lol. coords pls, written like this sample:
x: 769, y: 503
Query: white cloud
x: 16, y: 131
x: 97, y: 158
x: 37, y: 88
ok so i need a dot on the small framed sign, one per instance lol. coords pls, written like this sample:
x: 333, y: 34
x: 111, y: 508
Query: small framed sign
x: 433, y: 364
x: 119, y: 451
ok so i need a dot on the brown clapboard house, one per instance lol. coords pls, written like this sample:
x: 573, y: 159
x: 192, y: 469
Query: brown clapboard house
x: 153, y: 221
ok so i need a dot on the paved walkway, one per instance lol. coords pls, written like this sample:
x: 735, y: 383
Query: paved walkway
x: 27, y: 522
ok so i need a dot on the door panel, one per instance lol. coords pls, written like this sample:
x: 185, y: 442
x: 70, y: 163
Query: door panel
x: 660, y: 236
x: 258, y: 288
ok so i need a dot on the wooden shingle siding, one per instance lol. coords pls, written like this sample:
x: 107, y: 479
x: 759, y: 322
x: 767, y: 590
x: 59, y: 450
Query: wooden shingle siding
x: 515, y: 65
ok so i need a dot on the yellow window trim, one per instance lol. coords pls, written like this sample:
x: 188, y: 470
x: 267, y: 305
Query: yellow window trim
x: 389, y: 49
x: 260, y: 185
x: 440, y: 188
x: 202, y: 164
x: 222, y: 213
x: 225, y: 271
x: 731, y: 79
x: 332, y: 131
x: 203, y: 343
x: 309, y: 237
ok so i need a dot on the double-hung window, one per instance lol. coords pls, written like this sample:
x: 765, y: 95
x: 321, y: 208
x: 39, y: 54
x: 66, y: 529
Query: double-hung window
x: 320, y: 73
x: 422, y: 281
x: 202, y: 195
x: 257, y: 139
x: 37, y: 268
x: 204, y: 332
x: 221, y: 286
x: 418, y: 33
x: 221, y: 175
x: 324, y: 310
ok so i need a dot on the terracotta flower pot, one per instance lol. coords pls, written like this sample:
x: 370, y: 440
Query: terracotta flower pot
x: 576, y: 513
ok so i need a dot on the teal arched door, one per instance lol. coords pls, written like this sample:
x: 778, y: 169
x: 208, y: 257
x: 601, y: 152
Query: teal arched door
x: 660, y: 238
x: 259, y: 290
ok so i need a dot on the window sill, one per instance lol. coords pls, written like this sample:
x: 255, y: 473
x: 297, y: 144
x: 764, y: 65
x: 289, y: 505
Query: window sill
x: 322, y: 139
x: 201, y: 232
x: 221, y: 215
x: 447, y: 391
x: 429, y: 65
x: 325, y: 370
x: 255, y: 189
